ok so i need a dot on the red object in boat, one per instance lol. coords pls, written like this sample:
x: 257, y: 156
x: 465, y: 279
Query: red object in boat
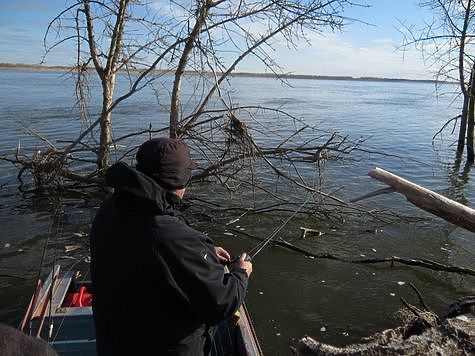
x: 81, y: 298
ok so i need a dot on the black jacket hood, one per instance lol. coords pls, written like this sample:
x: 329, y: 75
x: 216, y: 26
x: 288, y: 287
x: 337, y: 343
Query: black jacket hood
x: 140, y: 192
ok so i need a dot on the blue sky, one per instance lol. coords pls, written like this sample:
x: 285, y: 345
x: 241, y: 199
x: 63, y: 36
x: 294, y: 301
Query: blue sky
x: 361, y: 50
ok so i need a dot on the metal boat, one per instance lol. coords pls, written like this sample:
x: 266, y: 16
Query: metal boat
x: 60, y: 312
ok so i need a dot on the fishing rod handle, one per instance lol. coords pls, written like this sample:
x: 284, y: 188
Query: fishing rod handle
x: 236, y: 258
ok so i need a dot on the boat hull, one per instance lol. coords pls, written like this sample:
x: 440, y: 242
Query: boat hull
x: 61, y: 314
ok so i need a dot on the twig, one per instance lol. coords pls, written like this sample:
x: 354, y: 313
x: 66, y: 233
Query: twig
x: 445, y: 125
x: 420, y: 298
x: 373, y: 194
x: 34, y: 133
x: 410, y: 307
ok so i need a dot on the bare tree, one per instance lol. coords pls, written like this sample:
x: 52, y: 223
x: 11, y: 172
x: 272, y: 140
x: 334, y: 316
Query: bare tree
x: 201, y: 42
x: 447, y: 43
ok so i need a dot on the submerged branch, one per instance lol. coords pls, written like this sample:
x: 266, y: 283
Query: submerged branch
x: 419, y: 262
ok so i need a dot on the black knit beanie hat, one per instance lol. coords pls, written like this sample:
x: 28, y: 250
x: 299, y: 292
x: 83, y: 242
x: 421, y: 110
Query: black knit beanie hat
x: 167, y: 161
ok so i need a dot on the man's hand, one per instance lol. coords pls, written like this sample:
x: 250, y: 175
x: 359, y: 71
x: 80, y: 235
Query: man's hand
x: 222, y: 254
x: 244, y: 264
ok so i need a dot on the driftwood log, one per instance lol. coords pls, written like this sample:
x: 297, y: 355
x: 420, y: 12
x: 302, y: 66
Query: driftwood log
x: 423, y: 335
x: 424, y: 198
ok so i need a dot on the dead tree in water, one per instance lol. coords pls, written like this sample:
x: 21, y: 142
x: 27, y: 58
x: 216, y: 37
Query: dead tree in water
x: 131, y: 39
x: 447, y: 45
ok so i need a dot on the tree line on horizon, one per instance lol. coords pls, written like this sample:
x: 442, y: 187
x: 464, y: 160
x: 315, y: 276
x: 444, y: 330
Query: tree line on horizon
x: 288, y: 75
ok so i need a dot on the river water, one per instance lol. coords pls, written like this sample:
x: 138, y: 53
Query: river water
x: 289, y: 294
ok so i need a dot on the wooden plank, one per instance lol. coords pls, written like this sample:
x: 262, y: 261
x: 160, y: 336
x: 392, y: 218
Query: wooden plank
x: 61, y: 289
x: 428, y: 200
x: 45, y: 291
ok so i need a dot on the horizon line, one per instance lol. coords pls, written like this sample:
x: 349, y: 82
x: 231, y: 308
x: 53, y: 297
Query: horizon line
x: 39, y: 67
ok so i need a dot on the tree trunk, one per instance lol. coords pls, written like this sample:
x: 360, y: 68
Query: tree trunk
x: 463, y: 125
x: 470, y: 128
x: 103, y: 154
x: 179, y: 73
x: 428, y: 200
x: 465, y: 92
x: 470, y: 120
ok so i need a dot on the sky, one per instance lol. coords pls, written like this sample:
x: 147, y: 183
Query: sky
x: 366, y: 48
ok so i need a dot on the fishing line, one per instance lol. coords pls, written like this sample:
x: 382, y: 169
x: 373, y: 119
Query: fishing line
x: 45, y: 246
x: 55, y: 221
x: 59, y: 231
x: 260, y: 246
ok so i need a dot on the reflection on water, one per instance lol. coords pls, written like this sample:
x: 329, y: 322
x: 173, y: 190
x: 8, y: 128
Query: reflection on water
x: 289, y: 294
x: 458, y: 179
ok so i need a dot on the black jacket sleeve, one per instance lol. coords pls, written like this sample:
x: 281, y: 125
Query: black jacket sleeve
x: 196, y: 273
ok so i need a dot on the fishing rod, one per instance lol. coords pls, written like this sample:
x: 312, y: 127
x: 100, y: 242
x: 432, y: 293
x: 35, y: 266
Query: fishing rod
x: 260, y: 246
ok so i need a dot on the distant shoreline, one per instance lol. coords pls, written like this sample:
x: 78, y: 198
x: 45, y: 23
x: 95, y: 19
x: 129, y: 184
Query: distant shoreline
x: 40, y: 68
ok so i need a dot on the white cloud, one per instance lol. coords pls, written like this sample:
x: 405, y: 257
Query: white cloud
x: 386, y: 42
x: 332, y: 55
x: 173, y: 9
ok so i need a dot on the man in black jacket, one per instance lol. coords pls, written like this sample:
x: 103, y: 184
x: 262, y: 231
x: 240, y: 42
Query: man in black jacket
x: 158, y: 284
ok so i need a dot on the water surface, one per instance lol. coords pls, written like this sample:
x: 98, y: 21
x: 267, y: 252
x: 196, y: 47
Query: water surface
x: 289, y: 294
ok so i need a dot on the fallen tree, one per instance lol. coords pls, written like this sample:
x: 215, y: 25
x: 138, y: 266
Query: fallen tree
x: 423, y: 198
